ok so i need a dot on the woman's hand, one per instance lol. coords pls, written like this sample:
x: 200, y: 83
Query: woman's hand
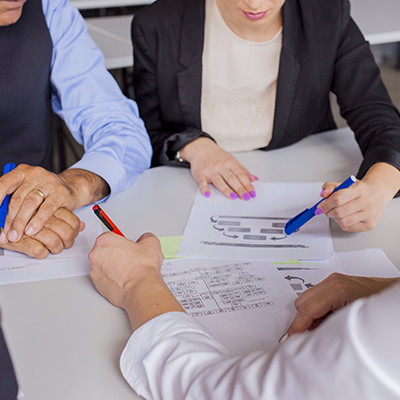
x: 360, y: 207
x: 210, y: 164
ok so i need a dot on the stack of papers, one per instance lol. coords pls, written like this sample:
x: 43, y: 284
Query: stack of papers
x: 240, y: 274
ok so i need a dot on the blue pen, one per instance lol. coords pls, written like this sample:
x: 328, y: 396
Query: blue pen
x: 300, y: 219
x: 4, y: 205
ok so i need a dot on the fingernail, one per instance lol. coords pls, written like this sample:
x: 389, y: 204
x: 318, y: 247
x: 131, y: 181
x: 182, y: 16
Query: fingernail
x: 30, y: 231
x: 13, y: 236
x: 255, y: 177
x: 252, y: 193
x: 283, y: 338
x: 323, y: 191
x: 234, y: 196
x: 318, y: 211
x: 246, y: 197
x: 3, y: 237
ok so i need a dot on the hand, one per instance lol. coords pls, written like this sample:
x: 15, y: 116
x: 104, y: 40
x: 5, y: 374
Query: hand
x: 58, y: 234
x: 128, y: 275
x: 360, y: 207
x: 28, y: 211
x: 333, y: 293
x: 210, y: 164
x: 118, y: 264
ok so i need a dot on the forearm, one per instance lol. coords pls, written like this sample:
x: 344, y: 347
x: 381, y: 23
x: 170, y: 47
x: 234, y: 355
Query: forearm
x: 149, y: 298
x: 85, y: 186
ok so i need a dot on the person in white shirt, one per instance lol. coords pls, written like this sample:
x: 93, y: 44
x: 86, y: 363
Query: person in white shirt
x: 354, y: 354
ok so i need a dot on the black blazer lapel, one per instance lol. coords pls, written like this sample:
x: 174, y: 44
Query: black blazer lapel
x: 191, y: 51
x: 289, y: 69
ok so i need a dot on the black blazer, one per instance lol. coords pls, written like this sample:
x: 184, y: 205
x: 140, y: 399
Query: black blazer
x: 322, y: 51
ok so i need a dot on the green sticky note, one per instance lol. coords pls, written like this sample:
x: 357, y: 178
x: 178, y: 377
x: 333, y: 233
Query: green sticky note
x: 170, y: 245
x: 286, y: 262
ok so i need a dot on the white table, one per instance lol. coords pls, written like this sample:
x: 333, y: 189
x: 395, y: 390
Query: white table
x: 93, y: 4
x: 66, y: 340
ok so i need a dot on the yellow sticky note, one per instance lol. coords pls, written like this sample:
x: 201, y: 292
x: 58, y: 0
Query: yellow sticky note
x: 170, y: 245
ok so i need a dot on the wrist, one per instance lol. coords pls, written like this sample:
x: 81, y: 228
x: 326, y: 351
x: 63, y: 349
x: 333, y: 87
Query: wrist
x: 84, y: 186
x: 193, y: 148
x: 386, y: 177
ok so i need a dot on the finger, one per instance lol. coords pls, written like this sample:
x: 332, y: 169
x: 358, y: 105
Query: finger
x: 28, y: 246
x: 21, y: 208
x: 232, y: 180
x: 223, y: 187
x: 203, y: 186
x: 244, y: 179
x: 50, y: 239
x: 63, y: 230
x: 47, y: 209
x: 11, y: 181
x: 328, y: 188
x: 310, y: 311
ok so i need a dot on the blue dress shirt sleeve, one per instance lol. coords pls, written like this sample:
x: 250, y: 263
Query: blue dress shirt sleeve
x: 88, y: 99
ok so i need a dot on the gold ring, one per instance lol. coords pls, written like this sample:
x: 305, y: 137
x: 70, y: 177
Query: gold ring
x: 41, y: 193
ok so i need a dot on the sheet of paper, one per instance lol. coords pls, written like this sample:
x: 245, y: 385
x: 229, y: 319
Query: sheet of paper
x: 26, y: 269
x: 369, y: 262
x: 246, y: 305
x: 237, y: 229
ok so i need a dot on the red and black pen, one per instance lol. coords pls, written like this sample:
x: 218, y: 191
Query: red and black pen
x: 103, y: 217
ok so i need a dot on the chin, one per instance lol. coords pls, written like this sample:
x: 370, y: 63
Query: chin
x: 10, y: 17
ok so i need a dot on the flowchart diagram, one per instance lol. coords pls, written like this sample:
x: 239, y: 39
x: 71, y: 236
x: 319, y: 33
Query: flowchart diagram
x: 219, y: 289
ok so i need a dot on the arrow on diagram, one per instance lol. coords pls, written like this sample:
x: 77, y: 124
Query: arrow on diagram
x: 289, y: 278
x: 279, y: 238
x: 308, y: 285
x: 218, y: 229
x: 213, y: 220
x: 234, y: 236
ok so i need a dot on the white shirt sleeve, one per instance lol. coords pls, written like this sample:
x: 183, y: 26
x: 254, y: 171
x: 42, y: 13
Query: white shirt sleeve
x: 353, y: 355
x: 88, y: 99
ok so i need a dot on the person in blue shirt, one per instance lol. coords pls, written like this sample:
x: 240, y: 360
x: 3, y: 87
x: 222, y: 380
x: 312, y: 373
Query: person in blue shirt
x: 49, y: 63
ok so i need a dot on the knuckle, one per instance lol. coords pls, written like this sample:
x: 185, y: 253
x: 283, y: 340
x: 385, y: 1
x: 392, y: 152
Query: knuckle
x: 39, y: 252
x: 48, y: 208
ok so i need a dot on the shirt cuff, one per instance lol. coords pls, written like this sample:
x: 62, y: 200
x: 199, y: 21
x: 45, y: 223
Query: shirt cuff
x: 105, y: 166
x: 146, y: 337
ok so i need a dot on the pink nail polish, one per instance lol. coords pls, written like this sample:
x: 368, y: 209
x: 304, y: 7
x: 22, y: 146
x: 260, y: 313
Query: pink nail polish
x: 255, y: 177
x: 207, y: 194
x: 253, y: 194
x: 323, y: 191
x: 233, y: 196
x: 318, y: 211
x: 246, y: 197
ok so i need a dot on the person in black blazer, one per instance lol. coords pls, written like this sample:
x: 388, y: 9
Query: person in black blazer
x: 322, y: 51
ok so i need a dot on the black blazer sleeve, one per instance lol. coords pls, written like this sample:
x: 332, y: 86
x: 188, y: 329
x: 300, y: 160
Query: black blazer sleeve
x: 363, y: 99
x: 164, y: 123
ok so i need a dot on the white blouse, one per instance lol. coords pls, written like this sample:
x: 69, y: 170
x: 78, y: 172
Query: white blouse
x: 353, y: 355
x: 238, y: 85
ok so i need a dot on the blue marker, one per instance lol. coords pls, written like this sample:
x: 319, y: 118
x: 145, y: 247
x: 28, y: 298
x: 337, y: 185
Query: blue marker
x: 300, y: 219
x: 4, y: 205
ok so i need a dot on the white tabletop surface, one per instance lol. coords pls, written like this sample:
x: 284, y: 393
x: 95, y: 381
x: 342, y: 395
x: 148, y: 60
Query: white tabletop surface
x: 66, y: 340
x: 92, y: 4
